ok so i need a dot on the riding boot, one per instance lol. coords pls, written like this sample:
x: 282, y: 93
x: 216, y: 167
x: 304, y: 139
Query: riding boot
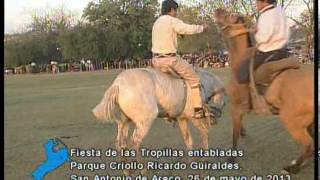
x: 197, y: 103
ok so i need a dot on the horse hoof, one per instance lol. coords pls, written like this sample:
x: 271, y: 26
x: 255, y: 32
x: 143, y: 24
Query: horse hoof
x: 243, y: 133
x: 293, y: 169
x: 126, y: 172
x: 213, y: 121
x: 231, y: 160
x: 143, y: 171
x: 285, y: 172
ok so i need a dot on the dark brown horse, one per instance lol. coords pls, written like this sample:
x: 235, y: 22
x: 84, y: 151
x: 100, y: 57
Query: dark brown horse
x: 292, y: 91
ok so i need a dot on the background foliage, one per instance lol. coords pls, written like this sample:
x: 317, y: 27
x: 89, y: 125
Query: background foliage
x: 121, y: 29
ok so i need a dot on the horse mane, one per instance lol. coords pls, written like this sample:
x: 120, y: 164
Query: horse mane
x: 210, y: 82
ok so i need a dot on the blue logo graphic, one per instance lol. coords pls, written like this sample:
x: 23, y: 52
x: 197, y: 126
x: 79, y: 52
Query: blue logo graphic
x: 54, y: 159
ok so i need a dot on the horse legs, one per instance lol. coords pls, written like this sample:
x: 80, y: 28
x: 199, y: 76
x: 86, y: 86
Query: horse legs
x: 242, y: 131
x: 138, y: 134
x: 238, y: 130
x: 183, y: 125
x: 123, y: 128
x: 137, y: 137
x: 203, y: 129
x: 142, y: 127
x: 301, y: 134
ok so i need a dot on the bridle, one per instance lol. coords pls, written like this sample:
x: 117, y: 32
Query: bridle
x: 235, y: 29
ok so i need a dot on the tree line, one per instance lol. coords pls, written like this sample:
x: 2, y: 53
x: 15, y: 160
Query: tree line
x: 117, y: 30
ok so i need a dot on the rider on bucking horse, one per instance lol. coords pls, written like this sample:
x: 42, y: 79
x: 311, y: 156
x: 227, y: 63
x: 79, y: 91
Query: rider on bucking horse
x: 271, y: 34
x: 164, y: 49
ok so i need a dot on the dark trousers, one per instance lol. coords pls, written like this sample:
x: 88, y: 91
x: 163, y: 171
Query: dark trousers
x: 260, y: 58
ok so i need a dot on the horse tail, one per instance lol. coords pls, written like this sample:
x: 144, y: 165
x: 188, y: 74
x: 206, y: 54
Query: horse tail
x: 108, y: 109
x: 111, y: 98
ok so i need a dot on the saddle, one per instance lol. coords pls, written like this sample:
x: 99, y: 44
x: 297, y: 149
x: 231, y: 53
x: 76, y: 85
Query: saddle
x: 262, y: 77
x: 267, y: 72
x: 211, y: 112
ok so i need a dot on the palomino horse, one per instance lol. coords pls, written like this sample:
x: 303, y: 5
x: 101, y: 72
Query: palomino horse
x: 139, y: 96
x: 291, y: 92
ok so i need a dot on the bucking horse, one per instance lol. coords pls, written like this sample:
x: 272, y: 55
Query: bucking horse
x: 289, y: 93
x: 139, y: 96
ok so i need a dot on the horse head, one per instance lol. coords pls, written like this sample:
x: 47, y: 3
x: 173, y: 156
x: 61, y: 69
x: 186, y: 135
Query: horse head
x: 235, y: 31
x: 225, y: 19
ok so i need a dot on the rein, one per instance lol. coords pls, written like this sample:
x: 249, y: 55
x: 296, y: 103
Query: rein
x: 258, y: 102
x: 236, y: 29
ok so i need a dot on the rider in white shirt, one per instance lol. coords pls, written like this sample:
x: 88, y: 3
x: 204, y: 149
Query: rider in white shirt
x: 271, y: 36
x: 164, y: 48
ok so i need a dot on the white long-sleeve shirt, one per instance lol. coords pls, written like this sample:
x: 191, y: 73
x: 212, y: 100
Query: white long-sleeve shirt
x: 165, y: 31
x: 273, y: 30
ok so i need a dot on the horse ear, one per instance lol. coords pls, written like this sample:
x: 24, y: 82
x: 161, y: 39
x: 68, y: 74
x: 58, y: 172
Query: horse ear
x: 220, y: 13
x: 233, y: 19
x: 247, y: 19
x: 241, y: 19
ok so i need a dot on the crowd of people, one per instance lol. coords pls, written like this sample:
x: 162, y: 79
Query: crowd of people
x: 197, y: 60
x: 210, y: 60
x: 207, y: 60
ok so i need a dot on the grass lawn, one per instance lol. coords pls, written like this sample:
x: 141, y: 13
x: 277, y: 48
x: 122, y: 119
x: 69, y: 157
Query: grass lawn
x: 44, y: 106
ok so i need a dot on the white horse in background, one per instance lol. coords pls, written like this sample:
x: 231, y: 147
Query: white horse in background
x: 139, y: 96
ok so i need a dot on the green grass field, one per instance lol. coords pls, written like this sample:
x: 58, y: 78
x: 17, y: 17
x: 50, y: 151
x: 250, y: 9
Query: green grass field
x: 40, y: 107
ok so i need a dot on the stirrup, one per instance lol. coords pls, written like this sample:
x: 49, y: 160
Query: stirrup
x: 260, y: 106
x: 198, y: 113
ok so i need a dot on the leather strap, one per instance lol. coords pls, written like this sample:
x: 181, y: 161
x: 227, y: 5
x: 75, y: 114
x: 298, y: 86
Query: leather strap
x: 158, y: 55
